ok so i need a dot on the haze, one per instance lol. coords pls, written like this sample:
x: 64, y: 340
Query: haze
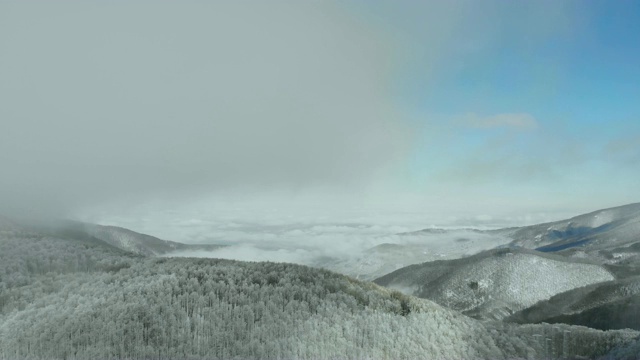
x: 436, y: 113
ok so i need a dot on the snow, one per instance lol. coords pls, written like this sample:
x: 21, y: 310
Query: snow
x: 513, y: 282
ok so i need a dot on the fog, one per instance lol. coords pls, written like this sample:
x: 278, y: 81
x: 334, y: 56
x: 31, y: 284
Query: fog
x: 162, y: 117
x: 300, y: 230
x: 106, y: 101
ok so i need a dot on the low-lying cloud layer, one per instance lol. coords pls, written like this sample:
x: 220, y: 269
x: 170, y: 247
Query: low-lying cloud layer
x: 295, y: 233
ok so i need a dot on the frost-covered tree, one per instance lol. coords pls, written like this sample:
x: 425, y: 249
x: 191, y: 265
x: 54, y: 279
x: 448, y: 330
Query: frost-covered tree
x: 74, y: 299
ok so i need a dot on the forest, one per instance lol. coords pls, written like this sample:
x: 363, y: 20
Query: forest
x: 66, y: 296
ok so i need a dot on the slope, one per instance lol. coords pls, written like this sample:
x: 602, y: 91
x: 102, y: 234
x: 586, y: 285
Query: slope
x: 121, y: 238
x: 415, y: 248
x: 165, y: 308
x: 187, y: 308
x: 610, y: 305
x: 620, y: 314
x: 589, y: 235
x: 496, y: 283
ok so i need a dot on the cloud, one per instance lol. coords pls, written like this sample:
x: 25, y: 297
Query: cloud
x: 247, y: 252
x: 308, y: 240
x: 283, y: 236
x: 153, y: 99
x: 503, y: 158
x: 515, y: 121
x: 144, y: 101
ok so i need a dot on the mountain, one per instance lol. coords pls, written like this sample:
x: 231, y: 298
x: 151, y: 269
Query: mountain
x: 120, y: 238
x: 605, y: 235
x: 141, y: 243
x: 414, y: 248
x: 620, y: 314
x: 495, y: 283
x: 609, y: 236
x: 609, y: 305
x: 28, y: 255
x: 68, y: 297
x: 187, y: 308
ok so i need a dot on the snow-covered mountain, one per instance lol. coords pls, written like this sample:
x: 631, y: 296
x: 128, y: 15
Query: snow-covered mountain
x: 122, y: 238
x: 72, y: 296
x: 591, y: 235
x: 140, y: 243
x: 623, y: 313
x: 609, y: 305
x: 496, y: 283
x: 415, y: 248
x: 609, y: 236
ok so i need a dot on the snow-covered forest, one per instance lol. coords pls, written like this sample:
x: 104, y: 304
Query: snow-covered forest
x: 76, y: 298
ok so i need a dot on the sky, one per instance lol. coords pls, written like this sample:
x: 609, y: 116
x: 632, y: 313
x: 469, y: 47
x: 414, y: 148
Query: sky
x: 148, y: 113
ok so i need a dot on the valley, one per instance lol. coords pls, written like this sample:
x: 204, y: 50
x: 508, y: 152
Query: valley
x: 77, y: 290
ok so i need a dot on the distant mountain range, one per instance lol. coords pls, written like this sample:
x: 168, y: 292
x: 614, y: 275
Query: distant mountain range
x: 610, y: 236
x: 605, y: 235
x: 121, y: 238
x: 583, y: 271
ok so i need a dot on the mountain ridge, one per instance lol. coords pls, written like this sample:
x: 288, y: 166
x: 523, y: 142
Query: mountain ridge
x: 495, y: 283
x: 74, y: 296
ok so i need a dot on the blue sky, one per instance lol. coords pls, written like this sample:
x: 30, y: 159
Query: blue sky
x: 571, y: 66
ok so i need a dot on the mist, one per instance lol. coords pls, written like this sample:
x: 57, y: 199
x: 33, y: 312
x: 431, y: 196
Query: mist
x: 110, y: 108
x: 134, y: 102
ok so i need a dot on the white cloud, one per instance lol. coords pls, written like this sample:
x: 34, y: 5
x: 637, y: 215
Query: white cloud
x: 249, y: 252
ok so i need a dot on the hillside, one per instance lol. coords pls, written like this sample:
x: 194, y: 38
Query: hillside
x: 496, y: 283
x: 121, y: 238
x: 588, y: 305
x: 415, y: 248
x: 90, y: 300
x: 590, y: 235
x: 609, y: 236
x: 187, y: 308
x: 620, y: 314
